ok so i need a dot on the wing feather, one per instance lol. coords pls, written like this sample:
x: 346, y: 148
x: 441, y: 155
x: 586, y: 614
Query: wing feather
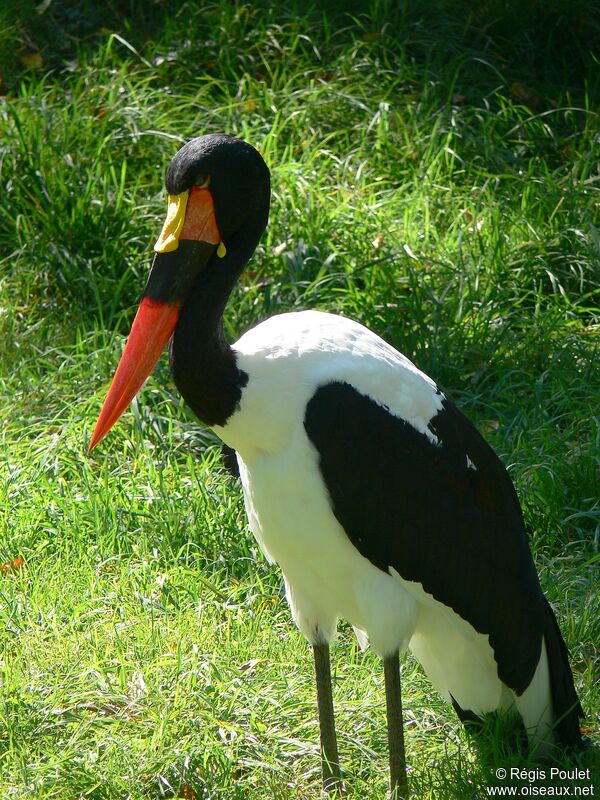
x: 445, y: 515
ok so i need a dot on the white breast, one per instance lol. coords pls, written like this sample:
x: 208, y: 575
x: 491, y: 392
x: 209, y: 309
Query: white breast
x: 290, y: 355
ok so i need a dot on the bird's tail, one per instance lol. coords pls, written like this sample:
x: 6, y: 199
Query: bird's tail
x: 565, y: 702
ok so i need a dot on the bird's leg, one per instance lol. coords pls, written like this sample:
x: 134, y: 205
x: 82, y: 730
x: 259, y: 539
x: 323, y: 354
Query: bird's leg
x: 332, y: 779
x: 393, y: 701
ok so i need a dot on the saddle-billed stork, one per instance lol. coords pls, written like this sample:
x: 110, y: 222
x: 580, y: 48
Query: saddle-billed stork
x: 379, y: 500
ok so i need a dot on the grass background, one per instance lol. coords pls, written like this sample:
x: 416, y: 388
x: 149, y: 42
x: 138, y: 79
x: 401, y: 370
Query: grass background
x: 436, y: 176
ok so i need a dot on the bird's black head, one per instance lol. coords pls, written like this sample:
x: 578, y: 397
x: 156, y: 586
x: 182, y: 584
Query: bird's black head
x: 218, y: 208
x: 234, y: 173
x: 219, y: 193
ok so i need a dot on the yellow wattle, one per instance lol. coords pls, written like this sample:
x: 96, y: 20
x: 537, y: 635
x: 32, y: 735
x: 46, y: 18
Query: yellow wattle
x: 169, y: 236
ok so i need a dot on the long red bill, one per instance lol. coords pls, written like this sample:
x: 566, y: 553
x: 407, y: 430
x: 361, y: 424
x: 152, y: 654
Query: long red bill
x: 189, y: 238
x: 152, y: 327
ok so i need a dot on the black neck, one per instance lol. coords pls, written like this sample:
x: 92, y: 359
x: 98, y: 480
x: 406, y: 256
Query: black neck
x: 202, y: 362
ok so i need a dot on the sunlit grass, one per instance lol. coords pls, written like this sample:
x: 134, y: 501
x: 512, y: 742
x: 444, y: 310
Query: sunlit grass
x: 435, y: 177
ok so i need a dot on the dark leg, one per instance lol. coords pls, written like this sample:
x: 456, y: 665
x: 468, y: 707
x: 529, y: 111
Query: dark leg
x: 332, y: 779
x: 393, y: 702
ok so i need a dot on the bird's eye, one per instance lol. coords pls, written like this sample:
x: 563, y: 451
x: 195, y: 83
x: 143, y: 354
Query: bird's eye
x: 203, y: 181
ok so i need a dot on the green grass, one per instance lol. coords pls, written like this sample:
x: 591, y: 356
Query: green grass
x: 435, y: 176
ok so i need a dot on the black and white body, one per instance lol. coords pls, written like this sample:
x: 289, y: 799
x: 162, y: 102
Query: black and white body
x: 379, y: 500
x: 383, y: 506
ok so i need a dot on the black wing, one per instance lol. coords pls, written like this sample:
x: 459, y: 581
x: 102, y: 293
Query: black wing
x: 407, y: 503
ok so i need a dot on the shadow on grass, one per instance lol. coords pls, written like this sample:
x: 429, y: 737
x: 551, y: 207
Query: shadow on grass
x: 541, y: 50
